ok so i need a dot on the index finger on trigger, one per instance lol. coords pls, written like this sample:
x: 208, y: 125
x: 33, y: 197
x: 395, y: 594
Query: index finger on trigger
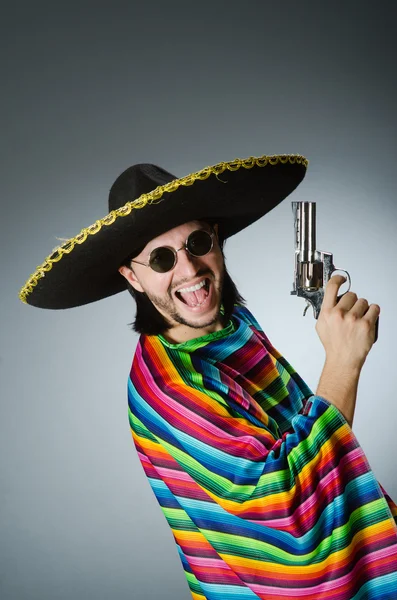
x: 331, y: 290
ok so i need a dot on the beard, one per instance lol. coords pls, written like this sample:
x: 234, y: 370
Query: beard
x: 167, y: 307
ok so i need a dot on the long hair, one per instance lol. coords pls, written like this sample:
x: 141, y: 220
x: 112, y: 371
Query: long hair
x: 149, y: 321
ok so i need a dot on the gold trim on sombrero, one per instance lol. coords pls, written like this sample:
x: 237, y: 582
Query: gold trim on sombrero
x: 151, y: 197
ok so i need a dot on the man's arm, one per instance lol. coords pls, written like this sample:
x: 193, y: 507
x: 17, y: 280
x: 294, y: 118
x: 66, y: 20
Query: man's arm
x: 346, y: 329
x: 339, y: 386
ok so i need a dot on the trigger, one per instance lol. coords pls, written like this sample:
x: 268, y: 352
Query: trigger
x: 307, y: 306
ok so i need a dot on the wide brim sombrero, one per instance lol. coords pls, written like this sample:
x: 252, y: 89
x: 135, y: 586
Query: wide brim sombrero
x: 146, y: 201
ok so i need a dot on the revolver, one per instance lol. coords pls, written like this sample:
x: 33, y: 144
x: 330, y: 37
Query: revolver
x: 313, y: 268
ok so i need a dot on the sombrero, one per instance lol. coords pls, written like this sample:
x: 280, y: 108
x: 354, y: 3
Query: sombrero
x: 146, y: 201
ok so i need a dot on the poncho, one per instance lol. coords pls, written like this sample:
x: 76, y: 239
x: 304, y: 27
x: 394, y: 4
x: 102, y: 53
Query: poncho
x: 265, y: 486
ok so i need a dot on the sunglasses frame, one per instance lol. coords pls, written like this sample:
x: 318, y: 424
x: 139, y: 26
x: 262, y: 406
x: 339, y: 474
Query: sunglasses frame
x: 185, y: 246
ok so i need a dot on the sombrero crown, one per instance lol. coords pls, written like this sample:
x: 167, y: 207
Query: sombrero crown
x: 146, y: 201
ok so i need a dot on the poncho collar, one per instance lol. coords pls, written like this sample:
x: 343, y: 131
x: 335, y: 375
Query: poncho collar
x: 217, y: 363
x: 199, y: 342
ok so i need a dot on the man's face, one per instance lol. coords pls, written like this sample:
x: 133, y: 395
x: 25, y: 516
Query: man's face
x: 188, y: 321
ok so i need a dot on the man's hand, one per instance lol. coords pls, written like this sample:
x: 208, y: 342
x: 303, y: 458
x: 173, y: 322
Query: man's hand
x: 346, y: 327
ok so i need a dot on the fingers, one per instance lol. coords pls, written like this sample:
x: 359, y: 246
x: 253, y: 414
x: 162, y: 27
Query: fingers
x: 372, y: 313
x: 331, y: 291
x: 347, y: 326
x: 358, y: 307
x: 348, y: 302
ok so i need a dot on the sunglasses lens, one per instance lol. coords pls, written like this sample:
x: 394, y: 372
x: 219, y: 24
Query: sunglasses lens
x: 199, y: 243
x: 162, y: 260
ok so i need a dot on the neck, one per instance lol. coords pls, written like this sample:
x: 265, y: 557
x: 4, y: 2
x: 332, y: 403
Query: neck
x: 184, y: 333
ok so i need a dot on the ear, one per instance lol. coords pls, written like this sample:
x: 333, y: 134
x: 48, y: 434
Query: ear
x: 130, y: 277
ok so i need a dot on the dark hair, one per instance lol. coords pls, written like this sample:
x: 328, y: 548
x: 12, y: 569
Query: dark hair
x: 149, y: 321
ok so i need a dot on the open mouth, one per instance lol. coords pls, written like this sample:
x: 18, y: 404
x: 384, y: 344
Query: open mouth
x: 197, y: 297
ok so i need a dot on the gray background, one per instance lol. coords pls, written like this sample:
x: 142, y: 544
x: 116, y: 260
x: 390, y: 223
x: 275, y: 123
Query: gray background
x: 89, y: 89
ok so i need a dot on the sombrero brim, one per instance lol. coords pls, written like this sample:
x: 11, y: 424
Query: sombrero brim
x: 85, y: 268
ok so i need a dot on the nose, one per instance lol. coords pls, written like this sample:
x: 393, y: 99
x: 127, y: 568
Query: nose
x: 186, y: 263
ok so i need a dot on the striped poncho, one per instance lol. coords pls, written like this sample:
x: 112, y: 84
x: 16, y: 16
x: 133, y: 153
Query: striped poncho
x: 264, y: 485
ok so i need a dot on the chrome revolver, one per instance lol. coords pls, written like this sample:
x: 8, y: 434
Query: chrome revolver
x: 313, y: 268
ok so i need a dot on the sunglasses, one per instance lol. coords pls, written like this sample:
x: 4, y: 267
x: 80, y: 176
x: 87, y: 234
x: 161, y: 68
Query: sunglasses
x: 164, y: 258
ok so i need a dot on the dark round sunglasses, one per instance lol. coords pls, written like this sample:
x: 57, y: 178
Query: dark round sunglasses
x: 164, y: 258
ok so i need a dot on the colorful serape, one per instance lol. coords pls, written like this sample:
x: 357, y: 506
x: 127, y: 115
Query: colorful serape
x: 264, y: 485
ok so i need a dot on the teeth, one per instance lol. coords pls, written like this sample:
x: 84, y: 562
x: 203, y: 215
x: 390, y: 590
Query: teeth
x: 194, y: 288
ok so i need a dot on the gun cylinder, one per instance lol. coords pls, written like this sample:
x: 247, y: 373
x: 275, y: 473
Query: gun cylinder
x: 310, y: 275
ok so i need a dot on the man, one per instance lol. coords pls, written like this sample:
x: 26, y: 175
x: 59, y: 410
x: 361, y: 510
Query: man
x: 263, y: 483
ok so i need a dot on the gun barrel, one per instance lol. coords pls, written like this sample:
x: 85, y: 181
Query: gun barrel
x: 305, y: 229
